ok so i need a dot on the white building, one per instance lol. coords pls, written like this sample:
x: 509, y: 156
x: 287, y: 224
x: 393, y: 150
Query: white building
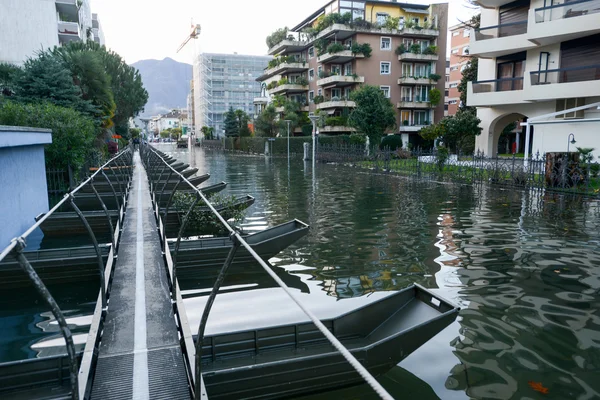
x: 97, y: 30
x: 28, y: 26
x: 537, y: 59
x: 170, y: 120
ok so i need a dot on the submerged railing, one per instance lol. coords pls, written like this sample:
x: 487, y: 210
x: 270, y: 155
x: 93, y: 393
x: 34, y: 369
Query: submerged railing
x: 119, y: 167
x: 158, y: 164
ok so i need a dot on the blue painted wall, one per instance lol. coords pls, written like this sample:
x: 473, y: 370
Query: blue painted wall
x: 23, y: 189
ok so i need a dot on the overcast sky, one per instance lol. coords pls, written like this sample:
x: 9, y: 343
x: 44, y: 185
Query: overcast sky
x: 143, y: 29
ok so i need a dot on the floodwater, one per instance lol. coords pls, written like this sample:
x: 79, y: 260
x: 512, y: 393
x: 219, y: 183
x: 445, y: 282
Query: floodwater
x: 523, y: 266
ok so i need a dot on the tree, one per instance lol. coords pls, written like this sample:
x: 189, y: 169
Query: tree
x: 135, y: 133
x: 266, y: 124
x: 242, y: 119
x: 373, y: 114
x: 433, y: 131
x: 277, y: 36
x: 208, y: 132
x: 469, y: 74
x: 9, y: 76
x: 232, y: 127
x: 461, y: 130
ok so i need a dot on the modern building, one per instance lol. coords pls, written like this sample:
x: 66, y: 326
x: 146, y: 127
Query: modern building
x: 324, y: 63
x: 447, y: 87
x: 460, y: 36
x: 28, y: 26
x: 537, y: 60
x: 191, y: 115
x: 222, y: 81
x: 97, y: 30
x: 172, y: 119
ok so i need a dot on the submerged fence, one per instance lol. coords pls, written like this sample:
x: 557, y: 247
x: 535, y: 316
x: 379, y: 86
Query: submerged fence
x: 555, y: 171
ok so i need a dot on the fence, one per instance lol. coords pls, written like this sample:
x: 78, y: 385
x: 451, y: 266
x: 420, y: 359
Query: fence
x: 557, y: 171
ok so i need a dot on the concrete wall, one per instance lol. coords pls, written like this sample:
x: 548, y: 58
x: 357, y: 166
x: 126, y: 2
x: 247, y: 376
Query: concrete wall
x: 26, y: 26
x: 24, y: 193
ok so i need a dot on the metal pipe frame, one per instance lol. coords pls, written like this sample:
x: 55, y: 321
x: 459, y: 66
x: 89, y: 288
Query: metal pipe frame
x: 181, y: 230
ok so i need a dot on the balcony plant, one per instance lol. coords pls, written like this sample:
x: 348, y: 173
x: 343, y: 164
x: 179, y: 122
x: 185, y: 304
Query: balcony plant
x: 278, y: 36
x: 415, y: 49
x: 405, y: 122
x: 336, y: 121
x: 434, y: 97
x: 365, y: 49
x: 320, y: 45
x: 272, y: 85
x: 282, y: 81
x: 335, y: 47
x: 435, y: 77
x: 318, y: 99
x: 391, y: 23
x: 401, y: 49
x: 302, y: 81
x: 430, y: 50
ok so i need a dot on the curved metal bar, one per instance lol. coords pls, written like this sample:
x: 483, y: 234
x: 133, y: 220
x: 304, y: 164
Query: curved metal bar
x: 181, y: 230
x: 112, y: 188
x: 96, y: 247
x: 58, y: 315
x: 164, y: 186
x: 206, y: 312
x: 112, y: 229
x: 112, y: 170
x: 168, y: 204
x: 159, y: 176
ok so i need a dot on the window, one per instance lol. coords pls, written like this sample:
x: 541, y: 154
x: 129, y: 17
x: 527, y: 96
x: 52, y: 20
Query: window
x: 405, y: 117
x: 311, y: 96
x: 455, y: 33
x: 348, y: 43
x: 311, y: 52
x: 466, y: 33
x: 406, y: 93
x: 422, y: 93
x: 348, y: 69
x: 407, y: 70
x: 446, y: 93
x: 455, y: 68
x: 453, y: 102
x: 336, y: 93
x: 566, y: 104
x: 320, y: 92
x: 416, y: 20
x: 311, y: 74
x: 319, y: 71
x: 385, y: 90
x: 336, y: 69
x: 385, y: 68
x: 386, y: 43
x: 466, y: 50
x: 381, y: 17
x: 453, y: 85
x: 401, y: 23
x: 423, y: 70
x: 455, y: 51
x: 424, y: 44
x: 347, y: 92
x: 445, y: 107
x: 420, y: 118
x: 447, y: 78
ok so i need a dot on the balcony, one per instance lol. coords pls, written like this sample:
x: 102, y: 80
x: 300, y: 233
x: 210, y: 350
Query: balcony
x: 420, y: 32
x: 414, y: 80
x: 67, y: 8
x: 282, y: 69
x: 495, y: 92
x: 336, y: 129
x: 414, y: 102
x: 414, y: 127
x: 68, y: 31
x: 417, y: 57
x: 341, y: 57
x: 300, y: 108
x: 340, y: 80
x: 493, y: 3
x: 335, y: 104
x: 562, y: 22
x: 500, y: 40
x: 289, y: 88
x: 565, y: 83
x: 287, y: 46
x: 340, y: 31
x: 261, y: 100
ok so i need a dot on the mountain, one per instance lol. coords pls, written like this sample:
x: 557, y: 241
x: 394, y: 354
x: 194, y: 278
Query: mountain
x: 167, y: 82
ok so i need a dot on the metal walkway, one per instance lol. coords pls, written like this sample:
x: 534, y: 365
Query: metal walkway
x: 140, y: 356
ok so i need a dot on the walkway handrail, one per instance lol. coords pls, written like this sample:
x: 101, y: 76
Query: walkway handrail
x: 18, y: 244
x: 238, y: 241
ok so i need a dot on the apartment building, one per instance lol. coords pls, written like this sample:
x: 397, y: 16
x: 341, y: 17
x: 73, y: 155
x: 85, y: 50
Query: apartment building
x: 460, y: 40
x: 97, y: 30
x: 391, y: 45
x: 537, y: 59
x: 222, y: 81
x: 447, y: 87
x: 27, y: 26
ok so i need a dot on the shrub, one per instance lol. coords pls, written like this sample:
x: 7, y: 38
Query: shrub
x: 282, y: 81
x: 391, y: 22
x: 403, y: 154
x: 318, y: 99
x: 442, y: 157
x: 335, y: 48
x: 364, y: 49
x: 307, y: 130
x: 401, y: 49
x: 357, y: 138
x: 431, y: 50
x: 392, y: 142
x: 301, y: 81
x: 276, y: 37
x: 73, y: 134
x: 435, y: 96
x: 336, y: 121
x: 415, y: 49
x: 360, y: 23
x: 594, y: 170
x: 435, y: 77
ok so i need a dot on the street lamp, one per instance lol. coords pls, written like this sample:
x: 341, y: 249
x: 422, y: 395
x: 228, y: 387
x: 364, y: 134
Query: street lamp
x: 314, y: 119
x: 288, y: 126
x: 570, y: 141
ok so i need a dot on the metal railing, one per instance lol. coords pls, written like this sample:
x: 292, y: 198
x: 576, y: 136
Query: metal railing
x: 501, y: 30
x: 118, y: 166
x: 566, y: 75
x: 565, y: 10
x: 156, y: 163
x: 498, y: 85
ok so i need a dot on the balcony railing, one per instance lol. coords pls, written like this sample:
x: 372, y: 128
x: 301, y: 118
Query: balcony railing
x: 503, y: 30
x: 566, y: 75
x: 498, y: 85
x: 415, y: 99
x: 567, y: 10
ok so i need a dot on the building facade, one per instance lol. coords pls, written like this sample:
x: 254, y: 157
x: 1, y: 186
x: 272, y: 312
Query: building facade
x: 322, y: 66
x: 222, y: 81
x: 97, y: 30
x: 447, y: 87
x: 460, y: 40
x: 537, y: 60
x: 28, y: 26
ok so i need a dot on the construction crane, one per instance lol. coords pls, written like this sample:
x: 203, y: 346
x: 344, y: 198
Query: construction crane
x: 195, y: 32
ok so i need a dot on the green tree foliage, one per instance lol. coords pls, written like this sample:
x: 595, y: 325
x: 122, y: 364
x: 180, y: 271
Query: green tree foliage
x: 243, y: 119
x: 208, y: 132
x: 469, y: 74
x: 232, y: 126
x: 277, y: 36
x: 458, y: 132
x: 373, y: 114
x: 9, y: 76
x: 435, y: 96
x: 135, y: 133
x: 266, y: 124
x: 433, y: 131
x: 73, y: 133
x: 391, y: 142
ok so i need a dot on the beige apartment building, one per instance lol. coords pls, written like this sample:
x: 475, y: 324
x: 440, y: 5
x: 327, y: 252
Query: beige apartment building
x: 538, y: 59
x: 394, y: 46
x: 460, y: 40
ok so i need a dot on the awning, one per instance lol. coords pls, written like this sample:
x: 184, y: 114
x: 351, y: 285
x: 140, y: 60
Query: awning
x: 416, y: 11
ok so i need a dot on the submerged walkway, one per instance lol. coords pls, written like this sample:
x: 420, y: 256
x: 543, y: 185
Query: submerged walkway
x: 140, y: 356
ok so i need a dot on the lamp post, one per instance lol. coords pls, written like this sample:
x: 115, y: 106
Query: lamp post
x: 288, y: 127
x: 570, y: 141
x: 314, y: 119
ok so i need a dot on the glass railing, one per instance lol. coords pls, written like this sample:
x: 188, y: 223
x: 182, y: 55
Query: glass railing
x: 503, y: 30
x: 568, y: 9
x: 566, y: 75
x: 498, y: 85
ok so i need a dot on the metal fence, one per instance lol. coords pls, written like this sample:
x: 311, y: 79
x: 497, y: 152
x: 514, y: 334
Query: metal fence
x: 561, y: 172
